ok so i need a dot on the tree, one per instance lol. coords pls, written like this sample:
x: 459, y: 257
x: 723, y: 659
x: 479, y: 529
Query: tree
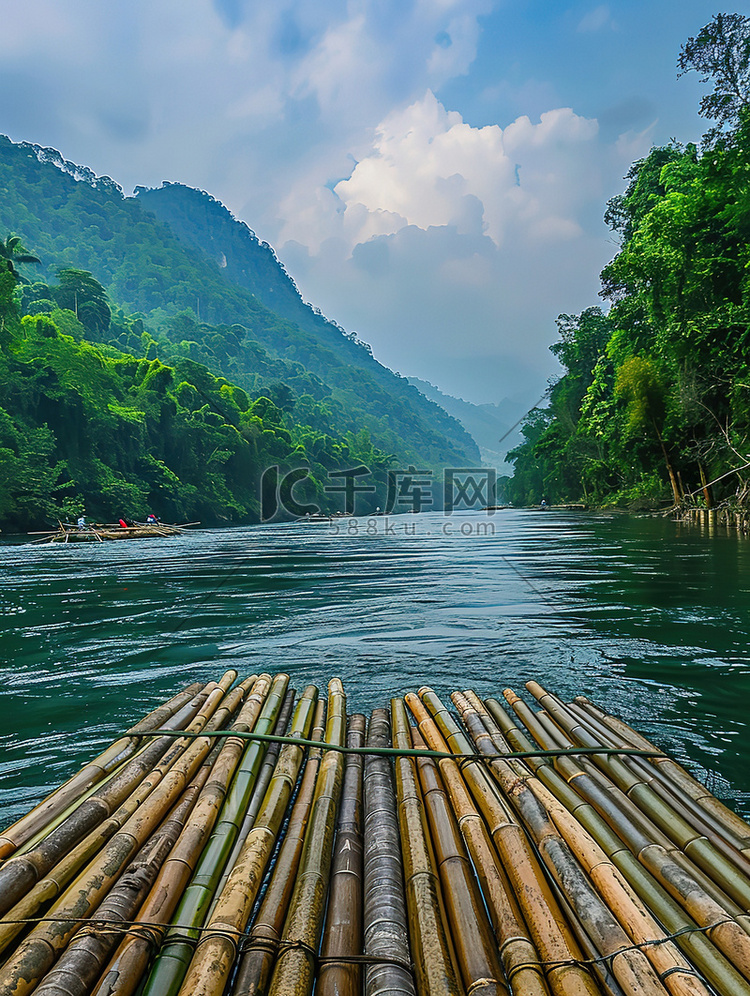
x: 81, y: 293
x: 12, y: 251
x: 720, y: 52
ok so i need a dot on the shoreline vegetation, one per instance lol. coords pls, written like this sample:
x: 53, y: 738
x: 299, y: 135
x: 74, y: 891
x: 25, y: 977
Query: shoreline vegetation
x: 654, y: 399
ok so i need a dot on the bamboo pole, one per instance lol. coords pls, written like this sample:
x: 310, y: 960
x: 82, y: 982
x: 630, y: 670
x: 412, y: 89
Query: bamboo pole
x: 49, y: 887
x: 342, y: 937
x: 82, y: 961
x: 294, y: 971
x: 432, y: 954
x: 631, y: 968
x: 215, y: 953
x: 124, y: 972
x: 697, y: 847
x: 699, y: 818
x: 715, y: 966
x: 673, y: 771
x: 261, y: 945
x: 36, y: 954
x: 94, y: 771
x: 519, y: 958
x: 477, y: 955
x: 260, y: 788
x: 176, y: 952
x: 700, y: 803
x: 19, y: 873
x: 385, y: 922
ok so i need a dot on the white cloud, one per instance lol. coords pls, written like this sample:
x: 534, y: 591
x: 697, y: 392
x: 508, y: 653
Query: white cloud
x: 453, y: 248
x: 427, y: 167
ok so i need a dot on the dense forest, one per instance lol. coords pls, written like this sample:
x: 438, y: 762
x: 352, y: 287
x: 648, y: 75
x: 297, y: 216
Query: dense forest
x: 653, y: 407
x: 88, y: 429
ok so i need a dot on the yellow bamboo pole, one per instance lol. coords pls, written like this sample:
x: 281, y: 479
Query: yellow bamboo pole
x: 177, y: 948
x: 694, y: 844
x: 519, y: 957
x: 294, y: 971
x: 126, y: 968
x: 261, y: 945
x: 474, y: 944
x: 96, y: 770
x: 432, y: 954
x: 81, y: 962
x: 549, y: 930
x: 215, y: 954
x: 36, y: 954
x: 675, y: 772
x: 675, y: 794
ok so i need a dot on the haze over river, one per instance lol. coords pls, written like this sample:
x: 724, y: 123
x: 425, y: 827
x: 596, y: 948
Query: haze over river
x: 643, y: 616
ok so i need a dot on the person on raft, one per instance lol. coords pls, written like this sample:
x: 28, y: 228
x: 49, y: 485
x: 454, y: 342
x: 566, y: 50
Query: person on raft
x: 126, y: 523
x: 152, y: 519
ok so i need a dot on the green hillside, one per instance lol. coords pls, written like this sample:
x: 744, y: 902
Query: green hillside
x: 190, y: 307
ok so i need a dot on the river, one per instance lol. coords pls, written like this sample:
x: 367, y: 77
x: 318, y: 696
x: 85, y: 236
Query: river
x: 644, y: 616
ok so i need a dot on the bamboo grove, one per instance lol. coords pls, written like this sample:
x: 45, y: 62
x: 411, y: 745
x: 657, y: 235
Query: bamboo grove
x: 248, y: 838
x: 652, y: 406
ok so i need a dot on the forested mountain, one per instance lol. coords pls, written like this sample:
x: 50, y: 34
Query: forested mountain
x: 654, y: 405
x: 181, y: 303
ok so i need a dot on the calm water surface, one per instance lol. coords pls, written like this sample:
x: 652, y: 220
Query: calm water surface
x: 638, y: 614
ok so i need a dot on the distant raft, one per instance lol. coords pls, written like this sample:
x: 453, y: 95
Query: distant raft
x: 111, y: 531
x: 249, y: 841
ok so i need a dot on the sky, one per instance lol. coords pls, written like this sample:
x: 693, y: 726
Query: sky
x: 432, y: 173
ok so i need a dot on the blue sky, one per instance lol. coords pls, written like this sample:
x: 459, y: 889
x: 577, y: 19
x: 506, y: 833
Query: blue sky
x: 433, y: 173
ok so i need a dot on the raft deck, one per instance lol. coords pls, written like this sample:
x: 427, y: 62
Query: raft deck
x: 527, y: 845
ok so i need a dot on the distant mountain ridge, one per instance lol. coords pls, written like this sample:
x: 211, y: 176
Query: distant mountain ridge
x: 175, y: 251
x: 494, y: 428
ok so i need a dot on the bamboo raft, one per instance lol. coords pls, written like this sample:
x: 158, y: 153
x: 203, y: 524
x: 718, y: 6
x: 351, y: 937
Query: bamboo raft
x: 245, y: 839
x: 67, y: 533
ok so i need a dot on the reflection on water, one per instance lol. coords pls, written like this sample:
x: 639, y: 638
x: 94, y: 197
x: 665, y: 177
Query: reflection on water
x: 639, y: 614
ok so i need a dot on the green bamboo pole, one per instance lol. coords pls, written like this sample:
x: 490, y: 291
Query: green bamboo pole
x: 432, y: 953
x: 261, y: 945
x: 261, y: 787
x: 294, y: 972
x: 342, y: 936
x: 698, y: 815
x: 176, y: 951
x: 385, y: 923
x: 124, y: 972
x: 51, y: 886
x: 697, y: 847
x: 19, y: 874
x: 215, y: 954
x: 674, y: 772
x: 36, y: 954
x: 714, y: 965
x: 80, y: 965
x: 96, y: 770
x: 632, y: 970
x: 519, y: 958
